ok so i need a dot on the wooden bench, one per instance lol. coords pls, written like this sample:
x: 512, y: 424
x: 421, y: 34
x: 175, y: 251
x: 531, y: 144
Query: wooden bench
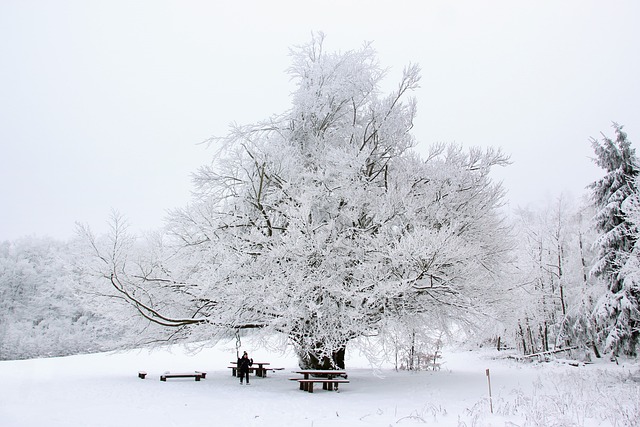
x: 196, y: 375
x: 330, y: 384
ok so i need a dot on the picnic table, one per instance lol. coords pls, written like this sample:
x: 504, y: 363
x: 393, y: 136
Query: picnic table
x: 260, y: 371
x: 325, y: 376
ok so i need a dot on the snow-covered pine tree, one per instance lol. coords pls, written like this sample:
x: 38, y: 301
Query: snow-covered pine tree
x: 321, y: 223
x: 617, y: 311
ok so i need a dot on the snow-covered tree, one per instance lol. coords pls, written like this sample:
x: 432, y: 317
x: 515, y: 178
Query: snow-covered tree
x: 40, y: 314
x: 553, y: 296
x: 617, y: 312
x: 321, y: 223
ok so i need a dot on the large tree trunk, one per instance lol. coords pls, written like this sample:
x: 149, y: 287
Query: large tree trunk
x: 311, y: 361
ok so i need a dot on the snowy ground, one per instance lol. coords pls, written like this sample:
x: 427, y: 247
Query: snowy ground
x: 104, y: 390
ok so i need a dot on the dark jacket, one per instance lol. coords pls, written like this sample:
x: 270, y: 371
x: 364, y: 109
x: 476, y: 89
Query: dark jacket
x: 243, y: 364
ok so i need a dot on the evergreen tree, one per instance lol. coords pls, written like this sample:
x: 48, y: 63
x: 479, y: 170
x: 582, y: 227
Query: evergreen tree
x: 615, y: 313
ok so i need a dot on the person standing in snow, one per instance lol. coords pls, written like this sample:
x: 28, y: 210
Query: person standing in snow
x: 243, y: 367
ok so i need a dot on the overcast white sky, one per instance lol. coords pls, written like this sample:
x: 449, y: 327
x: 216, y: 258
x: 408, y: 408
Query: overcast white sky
x: 103, y: 103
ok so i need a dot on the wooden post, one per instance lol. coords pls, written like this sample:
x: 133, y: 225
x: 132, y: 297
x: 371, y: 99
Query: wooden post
x: 489, y: 381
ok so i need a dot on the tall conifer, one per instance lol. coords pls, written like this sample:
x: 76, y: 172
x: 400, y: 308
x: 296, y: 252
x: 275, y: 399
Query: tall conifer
x: 615, y: 314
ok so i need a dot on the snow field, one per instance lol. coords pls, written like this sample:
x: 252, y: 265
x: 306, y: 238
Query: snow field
x: 104, y: 390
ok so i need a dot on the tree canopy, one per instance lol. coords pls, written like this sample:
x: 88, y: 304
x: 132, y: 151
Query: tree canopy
x: 322, y: 223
